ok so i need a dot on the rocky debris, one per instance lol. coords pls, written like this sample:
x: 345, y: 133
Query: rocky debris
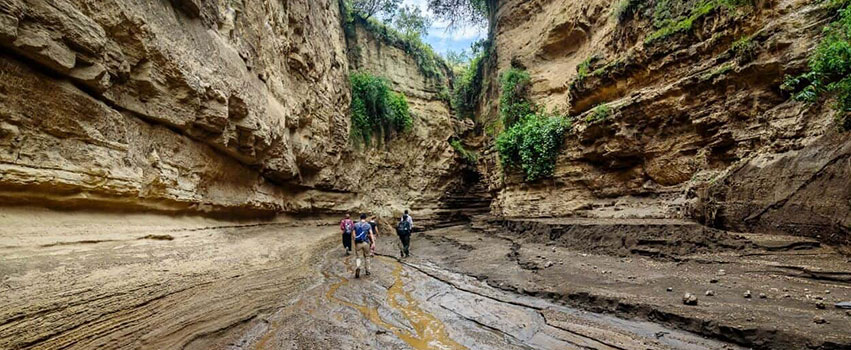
x: 762, y: 296
x: 819, y: 320
x: 820, y: 305
x: 710, y: 293
x: 747, y: 294
x: 669, y: 289
x: 713, y: 281
x: 689, y: 299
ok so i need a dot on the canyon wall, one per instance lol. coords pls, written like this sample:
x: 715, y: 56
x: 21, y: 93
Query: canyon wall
x: 418, y: 168
x: 693, y: 125
x: 198, y: 106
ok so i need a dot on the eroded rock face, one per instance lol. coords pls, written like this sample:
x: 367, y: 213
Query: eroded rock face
x: 696, y: 129
x: 188, y: 105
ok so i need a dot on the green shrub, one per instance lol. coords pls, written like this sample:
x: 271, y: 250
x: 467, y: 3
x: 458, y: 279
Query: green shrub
x: 624, y: 9
x: 829, y: 70
x: 672, y: 17
x: 514, y: 101
x: 471, y: 157
x: 376, y: 109
x: 430, y: 63
x: 468, y: 86
x: 532, y: 145
x: 718, y: 71
x: 744, y: 49
x: 598, y: 114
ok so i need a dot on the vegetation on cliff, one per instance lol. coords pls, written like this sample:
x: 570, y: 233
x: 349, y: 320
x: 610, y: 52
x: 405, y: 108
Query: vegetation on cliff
x: 532, y: 144
x: 470, y: 157
x: 829, y: 72
x: 403, y: 27
x: 376, y: 110
x: 532, y: 138
x: 469, y: 78
x: 673, y: 17
x: 514, y: 103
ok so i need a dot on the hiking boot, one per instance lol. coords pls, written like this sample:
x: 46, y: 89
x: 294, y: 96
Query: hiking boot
x: 357, y: 272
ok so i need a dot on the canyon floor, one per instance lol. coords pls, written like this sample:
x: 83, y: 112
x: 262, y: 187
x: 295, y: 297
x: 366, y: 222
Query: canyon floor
x: 85, y: 281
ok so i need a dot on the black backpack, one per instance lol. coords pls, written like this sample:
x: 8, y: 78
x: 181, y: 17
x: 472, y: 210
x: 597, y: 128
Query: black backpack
x: 403, y: 227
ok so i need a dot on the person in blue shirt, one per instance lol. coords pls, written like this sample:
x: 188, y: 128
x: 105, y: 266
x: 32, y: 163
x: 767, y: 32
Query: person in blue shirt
x: 362, y: 240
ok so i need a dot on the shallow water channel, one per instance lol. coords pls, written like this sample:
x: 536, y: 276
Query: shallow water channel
x: 404, y: 305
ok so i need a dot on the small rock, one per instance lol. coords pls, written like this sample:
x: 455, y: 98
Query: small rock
x: 549, y: 264
x: 714, y: 280
x: 827, y: 291
x: 670, y: 289
x: 806, y: 290
x: 820, y: 305
x: 554, y: 249
x: 819, y: 320
x: 689, y: 299
x: 747, y: 294
x: 722, y: 272
x: 819, y: 297
x: 787, y: 295
x: 710, y: 293
x: 762, y: 296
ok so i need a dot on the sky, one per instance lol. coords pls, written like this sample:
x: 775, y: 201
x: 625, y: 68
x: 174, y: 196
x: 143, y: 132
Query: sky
x: 442, y: 40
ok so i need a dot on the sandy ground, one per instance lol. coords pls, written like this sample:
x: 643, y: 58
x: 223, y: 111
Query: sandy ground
x: 793, y: 282
x: 85, y: 281
x: 112, y: 281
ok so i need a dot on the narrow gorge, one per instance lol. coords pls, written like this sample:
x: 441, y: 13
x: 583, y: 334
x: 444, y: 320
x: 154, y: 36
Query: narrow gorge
x: 600, y: 174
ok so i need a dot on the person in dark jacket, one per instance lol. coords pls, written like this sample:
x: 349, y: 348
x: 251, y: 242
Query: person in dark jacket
x: 374, y: 224
x: 403, y: 229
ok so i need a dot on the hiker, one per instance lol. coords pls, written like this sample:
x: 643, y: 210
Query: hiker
x: 403, y: 229
x: 374, y: 224
x: 346, y: 227
x: 363, y: 241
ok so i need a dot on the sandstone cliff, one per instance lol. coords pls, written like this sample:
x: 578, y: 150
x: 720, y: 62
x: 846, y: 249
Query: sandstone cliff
x: 695, y: 126
x: 214, y: 106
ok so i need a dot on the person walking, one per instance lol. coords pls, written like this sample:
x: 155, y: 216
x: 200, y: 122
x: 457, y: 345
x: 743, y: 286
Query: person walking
x: 374, y: 224
x: 403, y: 229
x: 346, y: 227
x: 362, y: 240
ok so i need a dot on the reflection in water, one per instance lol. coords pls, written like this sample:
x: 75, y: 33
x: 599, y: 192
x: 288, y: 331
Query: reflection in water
x: 430, y: 333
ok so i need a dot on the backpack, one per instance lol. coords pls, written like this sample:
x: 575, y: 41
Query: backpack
x: 404, y: 226
x: 348, y: 226
x: 362, y: 232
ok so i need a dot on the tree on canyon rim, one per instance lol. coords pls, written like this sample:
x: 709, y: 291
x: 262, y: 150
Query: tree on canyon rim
x: 460, y: 12
x: 370, y: 8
